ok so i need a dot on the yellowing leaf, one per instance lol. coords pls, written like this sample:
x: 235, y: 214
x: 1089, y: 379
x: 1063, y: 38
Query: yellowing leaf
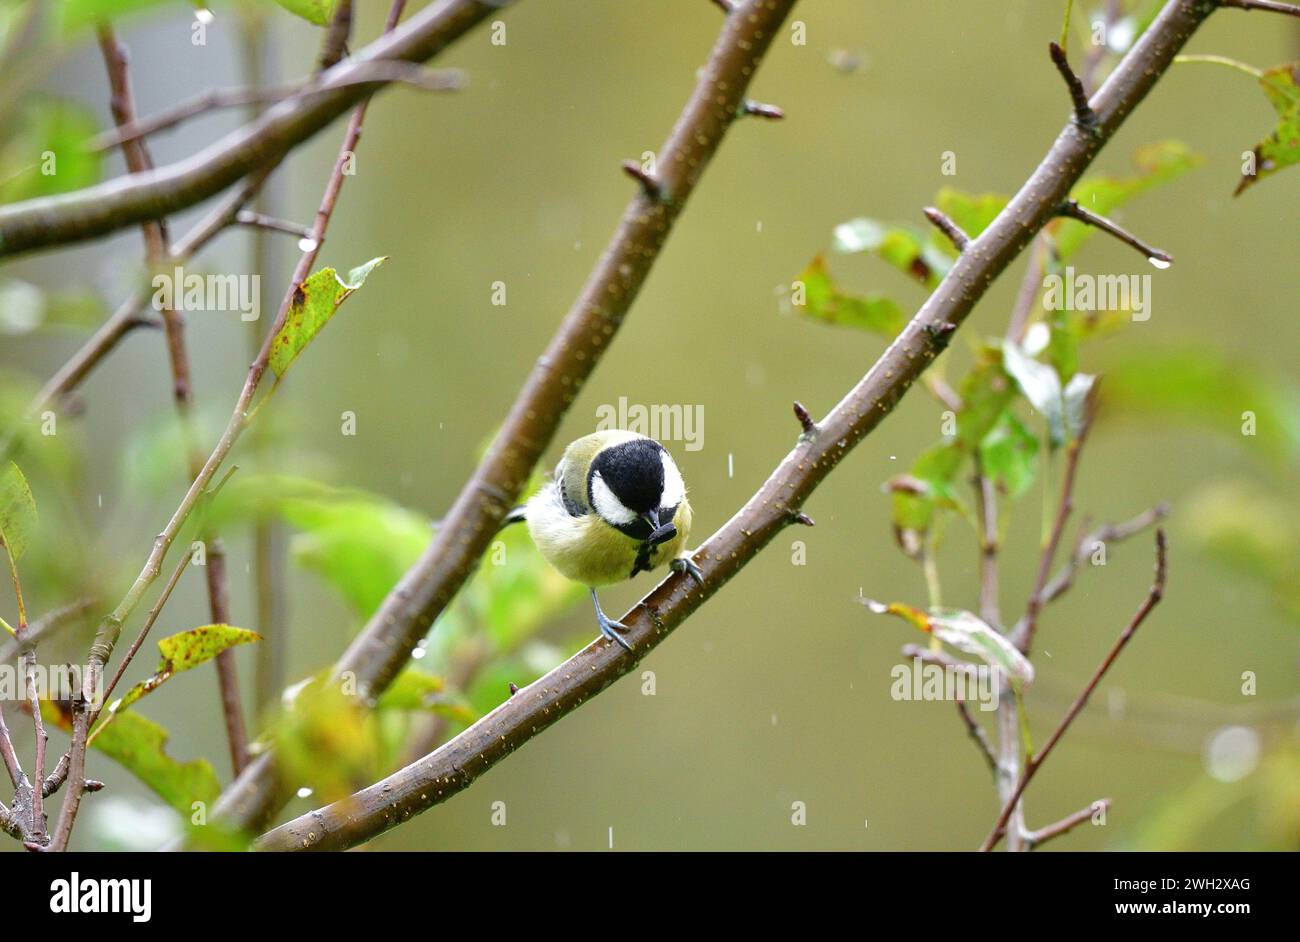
x: 824, y: 301
x: 1281, y: 148
x: 314, y: 303
x: 965, y: 632
x: 182, y: 652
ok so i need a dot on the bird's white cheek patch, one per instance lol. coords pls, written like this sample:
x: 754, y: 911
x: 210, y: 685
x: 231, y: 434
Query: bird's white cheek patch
x: 674, y: 487
x: 607, y: 505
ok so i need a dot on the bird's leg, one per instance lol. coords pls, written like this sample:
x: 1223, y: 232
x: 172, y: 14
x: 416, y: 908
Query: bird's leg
x: 610, y: 628
x: 687, y: 565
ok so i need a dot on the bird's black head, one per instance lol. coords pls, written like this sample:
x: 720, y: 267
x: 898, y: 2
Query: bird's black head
x: 635, y: 487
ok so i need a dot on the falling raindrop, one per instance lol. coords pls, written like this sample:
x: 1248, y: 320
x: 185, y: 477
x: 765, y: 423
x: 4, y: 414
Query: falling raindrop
x: 418, y: 653
x: 304, y: 792
x: 306, y: 244
x: 1160, y: 263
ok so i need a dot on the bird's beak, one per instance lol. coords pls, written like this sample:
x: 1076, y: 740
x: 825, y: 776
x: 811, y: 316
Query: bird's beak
x: 659, y: 533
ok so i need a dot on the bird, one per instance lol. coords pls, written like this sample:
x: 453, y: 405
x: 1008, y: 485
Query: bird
x: 615, y: 507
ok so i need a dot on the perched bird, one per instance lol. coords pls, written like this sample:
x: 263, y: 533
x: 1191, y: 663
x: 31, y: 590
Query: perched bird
x: 616, y: 507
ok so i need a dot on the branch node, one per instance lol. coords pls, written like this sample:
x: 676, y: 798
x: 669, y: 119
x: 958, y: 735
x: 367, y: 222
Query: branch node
x: 649, y: 183
x: 760, y: 110
x: 801, y: 518
x: 805, y: 422
x: 956, y: 235
x: 726, y: 6
x: 1084, y: 116
x: 514, y: 688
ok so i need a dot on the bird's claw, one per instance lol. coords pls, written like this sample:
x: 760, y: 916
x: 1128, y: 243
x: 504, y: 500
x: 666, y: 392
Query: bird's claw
x: 687, y: 565
x: 610, y: 628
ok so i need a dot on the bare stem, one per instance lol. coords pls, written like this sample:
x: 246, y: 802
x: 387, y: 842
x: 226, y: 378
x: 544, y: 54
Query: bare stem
x: 1034, y: 763
x: 1075, y: 211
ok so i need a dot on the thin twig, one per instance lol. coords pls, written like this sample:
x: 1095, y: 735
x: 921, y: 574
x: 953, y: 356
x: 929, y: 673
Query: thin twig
x: 1034, y: 763
x: 157, y: 250
x: 116, y: 204
x: 146, y: 625
x: 1108, y: 533
x: 261, y: 221
x: 978, y: 735
x: 1073, y: 210
x: 404, y: 73
x: 1269, y: 6
x: 1024, y: 637
x: 1066, y: 824
x: 1083, y: 113
x: 956, y: 235
x: 986, y: 510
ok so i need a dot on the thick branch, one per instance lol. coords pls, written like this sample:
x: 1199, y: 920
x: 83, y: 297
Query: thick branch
x: 380, y: 651
x: 116, y: 204
x: 451, y: 768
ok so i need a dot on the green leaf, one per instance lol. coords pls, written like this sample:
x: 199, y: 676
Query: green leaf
x: 1202, y: 387
x: 319, y: 12
x: 1281, y: 148
x: 905, y: 249
x: 359, y: 543
x: 824, y: 301
x: 140, y: 746
x: 928, y: 486
x: 972, y: 213
x: 325, y: 741
x: 182, y: 652
x: 1009, y: 455
x: 46, y: 154
x: 314, y: 303
x: 966, y: 632
x: 76, y: 14
x: 1040, y: 385
x: 17, y: 511
x: 1156, y: 164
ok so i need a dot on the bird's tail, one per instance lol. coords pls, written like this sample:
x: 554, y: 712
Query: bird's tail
x: 514, y: 516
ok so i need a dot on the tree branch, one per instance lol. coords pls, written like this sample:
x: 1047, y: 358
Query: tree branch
x: 116, y: 204
x: 454, y: 766
x: 1034, y: 763
x: 384, y: 646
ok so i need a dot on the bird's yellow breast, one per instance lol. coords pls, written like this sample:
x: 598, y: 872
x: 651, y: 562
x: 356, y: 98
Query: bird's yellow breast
x: 586, y: 549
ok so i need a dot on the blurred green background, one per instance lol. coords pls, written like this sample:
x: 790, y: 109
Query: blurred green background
x: 778, y: 690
